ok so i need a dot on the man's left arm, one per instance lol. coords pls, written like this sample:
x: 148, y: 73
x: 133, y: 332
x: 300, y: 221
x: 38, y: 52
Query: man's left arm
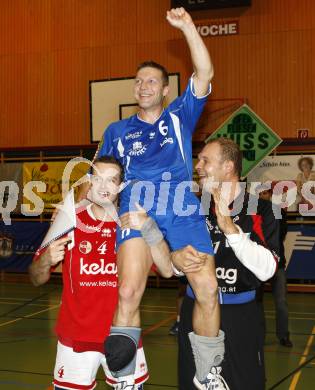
x: 203, y: 68
x: 260, y: 256
x: 261, y: 260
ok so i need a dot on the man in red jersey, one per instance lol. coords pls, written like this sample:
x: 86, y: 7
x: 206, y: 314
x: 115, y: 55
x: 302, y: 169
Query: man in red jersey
x: 90, y: 286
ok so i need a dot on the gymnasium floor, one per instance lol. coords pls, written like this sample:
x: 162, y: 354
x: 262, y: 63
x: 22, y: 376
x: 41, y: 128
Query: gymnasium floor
x: 28, y: 343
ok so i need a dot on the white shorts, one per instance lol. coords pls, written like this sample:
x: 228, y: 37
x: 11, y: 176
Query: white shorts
x: 77, y: 370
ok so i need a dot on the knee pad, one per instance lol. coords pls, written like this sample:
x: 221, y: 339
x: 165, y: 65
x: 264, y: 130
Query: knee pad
x: 119, y: 351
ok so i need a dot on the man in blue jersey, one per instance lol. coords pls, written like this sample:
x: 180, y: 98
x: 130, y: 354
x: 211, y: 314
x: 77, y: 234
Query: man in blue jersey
x: 155, y: 149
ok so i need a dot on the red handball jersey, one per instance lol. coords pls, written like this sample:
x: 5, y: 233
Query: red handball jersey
x: 90, y: 285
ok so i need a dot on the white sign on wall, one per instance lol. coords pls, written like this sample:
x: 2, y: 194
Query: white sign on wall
x: 215, y: 28
x: 112, y: 100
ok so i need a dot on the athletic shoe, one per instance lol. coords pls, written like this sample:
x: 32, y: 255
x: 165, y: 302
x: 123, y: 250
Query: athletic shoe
x: 174, y: 329
x: 214, y: 381
x: 124, y: 386
x: 286, y: 342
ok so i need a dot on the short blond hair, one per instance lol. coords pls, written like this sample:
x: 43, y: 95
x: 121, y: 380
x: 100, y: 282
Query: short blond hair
x: 230, y: 151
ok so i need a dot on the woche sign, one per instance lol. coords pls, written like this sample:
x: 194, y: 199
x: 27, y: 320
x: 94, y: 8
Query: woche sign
x: 215, y: 28
x: 255, y: 138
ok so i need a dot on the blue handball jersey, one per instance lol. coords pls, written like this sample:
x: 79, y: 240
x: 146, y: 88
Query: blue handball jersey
x: 148, y: 150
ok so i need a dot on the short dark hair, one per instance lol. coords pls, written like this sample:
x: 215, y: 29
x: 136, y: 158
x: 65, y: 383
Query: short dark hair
x: 109, y: 160
x: 230, y: 151
x: 308, y: 159
x: 153, y: 64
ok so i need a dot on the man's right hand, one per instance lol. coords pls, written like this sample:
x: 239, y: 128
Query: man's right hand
x: 55, y: 252
x: 179, y: 18
x: 188, y: 259
x: 223, y: 213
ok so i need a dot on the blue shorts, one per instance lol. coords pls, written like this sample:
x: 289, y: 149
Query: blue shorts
x: 179, y: 217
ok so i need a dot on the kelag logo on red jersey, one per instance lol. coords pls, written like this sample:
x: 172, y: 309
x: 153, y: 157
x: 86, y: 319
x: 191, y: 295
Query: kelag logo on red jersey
x: 97, y: 268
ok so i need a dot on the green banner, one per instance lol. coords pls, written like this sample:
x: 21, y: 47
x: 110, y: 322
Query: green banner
x: 255, y: 138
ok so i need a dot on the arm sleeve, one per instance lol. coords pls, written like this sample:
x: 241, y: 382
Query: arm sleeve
x: 259, y: 253
x: 258, y: 259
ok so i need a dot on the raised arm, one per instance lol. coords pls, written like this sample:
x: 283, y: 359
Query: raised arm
x: 41, y: 265
x: 203, y: 68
